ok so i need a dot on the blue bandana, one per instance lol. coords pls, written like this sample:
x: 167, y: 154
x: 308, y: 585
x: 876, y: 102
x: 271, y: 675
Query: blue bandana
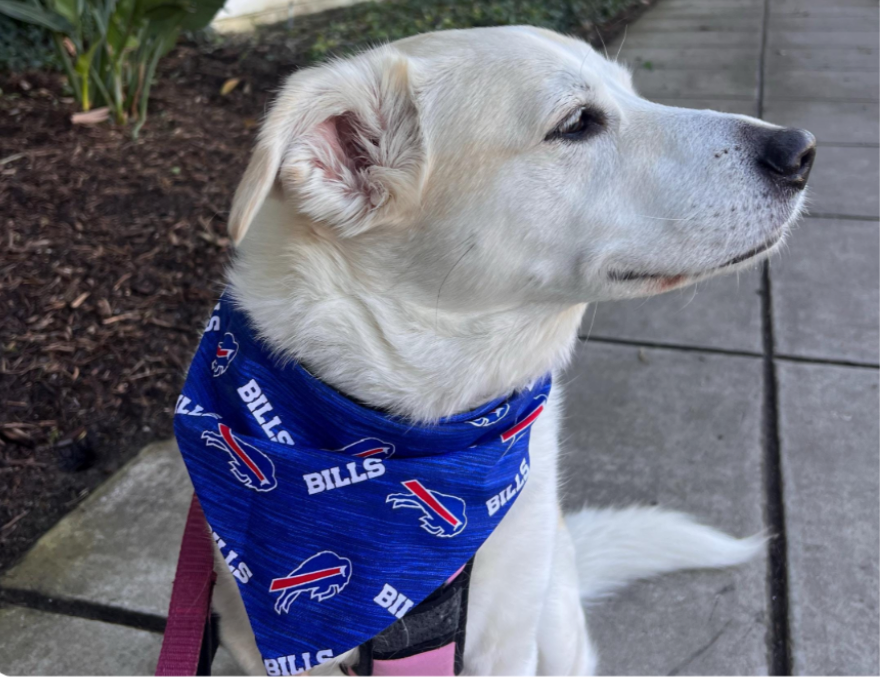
x: 335, y: 518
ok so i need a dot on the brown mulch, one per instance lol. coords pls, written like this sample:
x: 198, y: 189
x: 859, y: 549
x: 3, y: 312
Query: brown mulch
x: 111, y: 253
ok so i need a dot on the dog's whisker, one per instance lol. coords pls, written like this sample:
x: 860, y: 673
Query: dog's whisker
x: 693, y: 297
x: 604, y: 47
x: 622, y: 41
x: 445, y: 278
x: 592, y: 321
x: 581, y: 67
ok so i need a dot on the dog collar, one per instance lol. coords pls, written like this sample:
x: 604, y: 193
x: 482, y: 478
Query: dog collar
x: 336, y: 519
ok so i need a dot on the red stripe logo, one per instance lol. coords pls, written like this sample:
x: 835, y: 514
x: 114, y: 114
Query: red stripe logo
x: 283, y: 583
x: 229, y: 438
x: 522, y: 425
x: 431, y: 501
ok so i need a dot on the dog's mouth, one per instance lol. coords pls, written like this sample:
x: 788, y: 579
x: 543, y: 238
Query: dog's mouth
x: 671, y: 280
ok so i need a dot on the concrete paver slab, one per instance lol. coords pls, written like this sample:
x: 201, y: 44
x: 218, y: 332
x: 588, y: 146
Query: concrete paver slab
x: 688, y: 58
x: 34, y: 643
x: 685, y: 39
x: 825, y: 291
x: 820, y: 39
x: 730, y: 22
x: 844, y: 85
x: 747, y: 107
x: 697, y: 623
x: 844, y: 182
x: 701, y: 6
x: 829, y: 441
x: 724, y: 313
x: 679, y: 429
x: 819, y: 7
x: 737, y: 83
x: 818, y: 12
x: 808, y: 59
x: 830, y: 122
x: 860, y: 20
x: 713, y: 13
x: 120, y: 546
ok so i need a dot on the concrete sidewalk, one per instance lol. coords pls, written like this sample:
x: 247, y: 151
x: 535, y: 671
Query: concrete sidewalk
x: 750, y: 403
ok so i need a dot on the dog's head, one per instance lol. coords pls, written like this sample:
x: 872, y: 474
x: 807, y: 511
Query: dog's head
x: 490, y: 167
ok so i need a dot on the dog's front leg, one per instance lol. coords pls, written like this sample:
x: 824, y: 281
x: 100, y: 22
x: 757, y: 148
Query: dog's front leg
x: 512, y: 569
x: 235, y: 628
x: 508, y: 584
x: 564, y: 646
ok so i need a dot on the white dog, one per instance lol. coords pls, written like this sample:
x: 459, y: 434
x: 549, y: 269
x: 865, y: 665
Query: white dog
x: 423, y: 225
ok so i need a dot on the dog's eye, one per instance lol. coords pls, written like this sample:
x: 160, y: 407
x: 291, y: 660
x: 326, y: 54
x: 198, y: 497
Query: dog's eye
x: 580, y: 125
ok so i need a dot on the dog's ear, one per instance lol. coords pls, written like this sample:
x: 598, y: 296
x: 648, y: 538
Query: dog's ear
x: 345, y: 144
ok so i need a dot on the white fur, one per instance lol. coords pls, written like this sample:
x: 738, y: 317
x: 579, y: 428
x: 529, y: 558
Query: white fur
x: 619, y: 546
x: 409, y: 235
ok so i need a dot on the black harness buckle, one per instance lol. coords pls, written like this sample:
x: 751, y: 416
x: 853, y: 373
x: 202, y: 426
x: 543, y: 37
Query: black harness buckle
x: 436, y: 622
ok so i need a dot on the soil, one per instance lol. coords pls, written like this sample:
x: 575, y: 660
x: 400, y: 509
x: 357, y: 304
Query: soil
x: 112, y: 252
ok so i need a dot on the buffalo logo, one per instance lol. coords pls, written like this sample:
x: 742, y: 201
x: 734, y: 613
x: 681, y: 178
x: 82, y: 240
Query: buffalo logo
x: 522, y: 425
x: 369, y: 447
x: 492, y: 417
x: 227, y: 348
x: 250, y: 466
x: 323, y: 576
x: 443, y: 515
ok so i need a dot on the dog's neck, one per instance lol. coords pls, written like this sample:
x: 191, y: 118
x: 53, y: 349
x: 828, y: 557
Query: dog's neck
x: 356, y: 331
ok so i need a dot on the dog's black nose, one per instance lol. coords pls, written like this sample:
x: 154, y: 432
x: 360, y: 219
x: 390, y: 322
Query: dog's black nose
x: 788, y: 156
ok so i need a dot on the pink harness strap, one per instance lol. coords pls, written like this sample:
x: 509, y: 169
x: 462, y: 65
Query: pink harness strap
x: 190, y: 599
x: 437, y: 663
x: 190, y: 609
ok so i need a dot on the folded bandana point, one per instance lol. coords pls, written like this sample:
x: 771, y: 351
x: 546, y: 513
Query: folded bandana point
x: 335, y: 518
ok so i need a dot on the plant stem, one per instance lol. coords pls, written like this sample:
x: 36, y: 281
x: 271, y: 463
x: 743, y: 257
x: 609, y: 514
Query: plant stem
x: 148, y: 81
x: 100, y: 86
x: 68, y: 67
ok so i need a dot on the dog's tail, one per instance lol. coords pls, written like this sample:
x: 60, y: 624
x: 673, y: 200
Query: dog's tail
x: 616, y: 546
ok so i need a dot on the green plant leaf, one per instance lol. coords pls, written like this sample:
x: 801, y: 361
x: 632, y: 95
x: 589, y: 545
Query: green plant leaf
x: 149, y: 9
x: 200, y: 13
x: 119, y: 26
x: 84, y: 61
x: 101, y: 11
x: 69, y: 9
x: 34, y: 15
x: 161, y: 46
